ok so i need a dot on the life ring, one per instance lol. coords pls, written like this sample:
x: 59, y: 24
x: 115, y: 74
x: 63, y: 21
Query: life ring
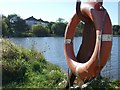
x: 96, y: 44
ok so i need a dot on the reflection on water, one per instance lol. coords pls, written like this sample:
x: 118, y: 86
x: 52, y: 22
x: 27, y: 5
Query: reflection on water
x: 52, y: 49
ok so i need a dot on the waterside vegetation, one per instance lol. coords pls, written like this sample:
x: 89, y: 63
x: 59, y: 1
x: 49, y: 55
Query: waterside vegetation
x: 22, y: 68
x: 14, y: 26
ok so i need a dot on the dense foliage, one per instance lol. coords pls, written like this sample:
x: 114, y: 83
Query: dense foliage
x: 14, y: 26
x: 116, y: 30
x: 39, y: 30
x: 22, y: 68
x: 59, y: 28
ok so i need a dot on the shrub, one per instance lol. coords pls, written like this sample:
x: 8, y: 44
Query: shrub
x: 12, y: 71
x: 39, y: 30
x: 28, y: 68
x: 59, y: 28
x: 36, y: 67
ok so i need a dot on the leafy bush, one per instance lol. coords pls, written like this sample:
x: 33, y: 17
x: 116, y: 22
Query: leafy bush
x: 12, y: 71
x: 24, y: 68
x: 37, y: 67
x: 15, y: 61
x: 55, y: 76
x: 102, y: 83
x: 39, y: 30
x: 59, y: 28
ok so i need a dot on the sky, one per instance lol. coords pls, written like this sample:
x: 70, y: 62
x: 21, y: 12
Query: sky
x: 119, y: 13
x: 51, y: 10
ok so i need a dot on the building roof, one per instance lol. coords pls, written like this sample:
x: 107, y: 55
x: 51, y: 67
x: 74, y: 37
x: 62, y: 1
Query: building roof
x: 31, y: 18
x: 40, y: 20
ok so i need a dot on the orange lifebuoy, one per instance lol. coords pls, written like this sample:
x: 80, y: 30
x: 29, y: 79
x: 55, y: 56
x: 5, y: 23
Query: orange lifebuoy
x: 96, y: 44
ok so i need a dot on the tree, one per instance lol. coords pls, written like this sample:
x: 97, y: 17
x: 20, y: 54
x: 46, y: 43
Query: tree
x: 20, y: 27
x: 79, y: 29
x: 5, y: 30
x: 116, y: 30
x: 60, y: 20
x: 49, y: 27
x: 16, y: 25
x: 59, y: 28
x: 39, y: 30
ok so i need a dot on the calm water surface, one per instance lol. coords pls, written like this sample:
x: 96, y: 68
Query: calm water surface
x: 52, y: 49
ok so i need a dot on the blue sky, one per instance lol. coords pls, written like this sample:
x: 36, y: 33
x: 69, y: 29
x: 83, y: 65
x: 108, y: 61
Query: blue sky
x: 51, y: 10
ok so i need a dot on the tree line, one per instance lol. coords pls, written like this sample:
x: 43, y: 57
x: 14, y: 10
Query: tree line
x: 14, y: 26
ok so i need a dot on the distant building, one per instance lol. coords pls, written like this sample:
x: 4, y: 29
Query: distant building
x: 13, y: 19
x: 43, y: 22
x: 31, y: 21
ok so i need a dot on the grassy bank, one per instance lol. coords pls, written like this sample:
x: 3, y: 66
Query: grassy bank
x: 22, y: 68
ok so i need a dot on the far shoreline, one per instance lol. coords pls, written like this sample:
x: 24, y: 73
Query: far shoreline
x: 48, y: 36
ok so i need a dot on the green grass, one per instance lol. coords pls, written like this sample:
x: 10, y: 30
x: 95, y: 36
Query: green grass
x: 102, y: 83
x: 22, y: 68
